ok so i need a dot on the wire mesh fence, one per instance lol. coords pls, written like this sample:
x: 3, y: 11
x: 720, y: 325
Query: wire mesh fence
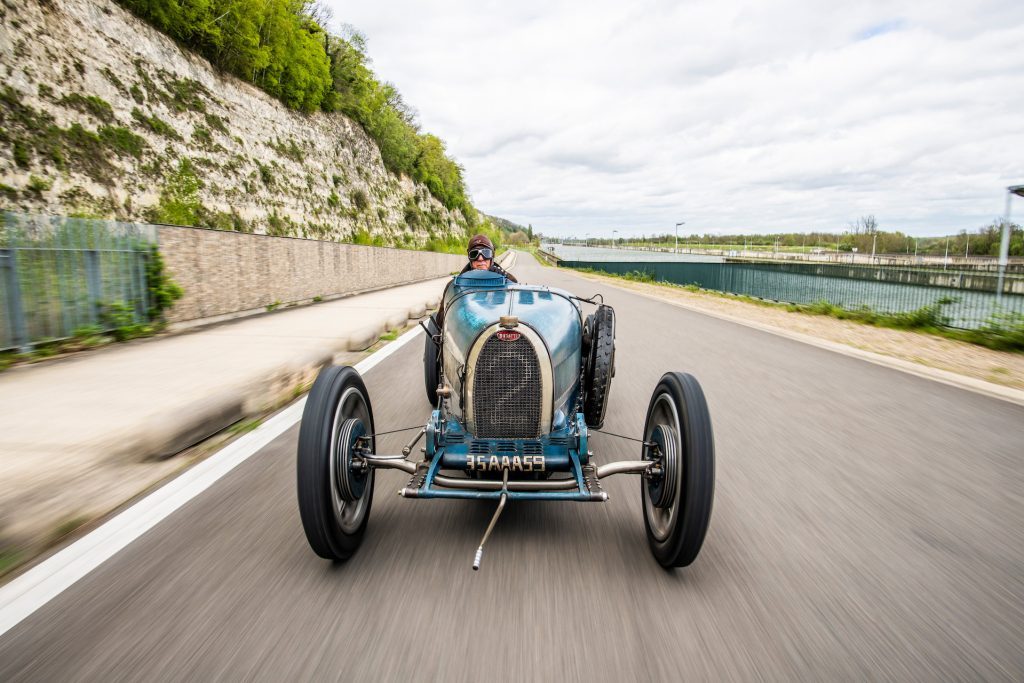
x: 968, y: 299
x: 61, y: 276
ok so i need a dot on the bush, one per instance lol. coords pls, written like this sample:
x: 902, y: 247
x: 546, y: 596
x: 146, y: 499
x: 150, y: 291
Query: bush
x: 162, y: 290
x: 360, y: 199
x: 1003, y: 331
x: 155, y: 124
x: 640, y: 276
x: 21, y: 154
x: 266, y: 175
x: 37, y: 186
x: 122, y: 141
x: 89, y: 104
x: 179, y: 200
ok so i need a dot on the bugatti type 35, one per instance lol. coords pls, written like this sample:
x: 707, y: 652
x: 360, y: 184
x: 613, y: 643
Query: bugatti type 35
x: 518, y: 377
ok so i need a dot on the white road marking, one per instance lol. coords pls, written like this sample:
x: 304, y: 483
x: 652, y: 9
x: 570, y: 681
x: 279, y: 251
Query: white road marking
x: 36, y: 587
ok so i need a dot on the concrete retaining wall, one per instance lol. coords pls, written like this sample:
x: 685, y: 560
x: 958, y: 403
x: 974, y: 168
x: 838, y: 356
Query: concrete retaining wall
x: 227, y: 273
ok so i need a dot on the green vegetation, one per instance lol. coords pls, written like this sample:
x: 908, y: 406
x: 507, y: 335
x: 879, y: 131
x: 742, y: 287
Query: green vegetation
x: 37, y: 185
x: 179, y: 200
x: 1003, y: 331
x: 360, y: 199
x: 89, y: 104
x: 113, y: 79
x: 924, y: 318
x: 9, y: 559
x: 155, y: 124
x: 245, y: 426
x: 273, y: 307
x: 185, y: 94
x: 37, y: 132
x: 21, y: 154
x: 216, y: 123
x: 66, y: 527
x: 266, y: 174
x: 162, y: 290
x: 122, y: 141
x: 119, y: 318
x: 289, y: 149
x: 391, y: 335
x: 115, y: 318
x: 281, y: 47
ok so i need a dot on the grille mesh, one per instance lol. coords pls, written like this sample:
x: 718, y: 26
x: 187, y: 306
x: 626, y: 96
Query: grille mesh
x: 506, y: 390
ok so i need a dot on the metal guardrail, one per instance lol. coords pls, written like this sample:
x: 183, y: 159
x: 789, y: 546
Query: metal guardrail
x: 61, y: 275
x: 970, y: 298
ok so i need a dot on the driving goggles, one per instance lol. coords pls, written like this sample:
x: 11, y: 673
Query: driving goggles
x: 485, y: 253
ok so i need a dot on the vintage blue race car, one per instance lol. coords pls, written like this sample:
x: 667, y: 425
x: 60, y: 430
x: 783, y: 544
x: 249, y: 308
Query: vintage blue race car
x: 518, y: 376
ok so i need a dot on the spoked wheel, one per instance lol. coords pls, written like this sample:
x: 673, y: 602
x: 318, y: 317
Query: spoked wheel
x: 334, y: 492
x: 677, y: 499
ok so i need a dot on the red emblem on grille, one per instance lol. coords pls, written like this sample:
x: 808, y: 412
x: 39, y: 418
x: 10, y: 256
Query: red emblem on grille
x: 508, y: 335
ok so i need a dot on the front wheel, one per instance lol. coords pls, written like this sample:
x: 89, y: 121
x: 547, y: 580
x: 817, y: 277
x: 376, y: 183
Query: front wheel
x: 334, y: 492
x: 678, y: 496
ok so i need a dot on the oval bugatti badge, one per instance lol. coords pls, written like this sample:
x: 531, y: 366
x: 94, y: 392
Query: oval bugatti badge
x: 508, y: 335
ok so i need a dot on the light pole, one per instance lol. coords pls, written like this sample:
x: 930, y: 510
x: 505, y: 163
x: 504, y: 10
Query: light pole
x: 1004, y: 243
x: 677, y: 234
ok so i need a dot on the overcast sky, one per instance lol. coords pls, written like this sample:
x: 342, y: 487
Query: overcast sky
x: 788, y: 115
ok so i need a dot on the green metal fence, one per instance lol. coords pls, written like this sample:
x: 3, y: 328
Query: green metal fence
x: 969, y: 298
x: 60, y: 276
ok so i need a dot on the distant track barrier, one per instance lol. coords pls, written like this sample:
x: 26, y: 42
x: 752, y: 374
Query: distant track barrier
x: 969, y: 299
x: 61, y: 275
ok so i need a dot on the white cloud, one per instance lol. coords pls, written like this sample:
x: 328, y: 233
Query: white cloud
x: 790, y: 115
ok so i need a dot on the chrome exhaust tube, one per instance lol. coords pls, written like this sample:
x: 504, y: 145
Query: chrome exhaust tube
x: 394, y: 462
x: 624, y: 467
x: 490, y: 527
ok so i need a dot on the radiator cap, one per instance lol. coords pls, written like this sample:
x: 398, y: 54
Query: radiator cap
x: 508, y: 321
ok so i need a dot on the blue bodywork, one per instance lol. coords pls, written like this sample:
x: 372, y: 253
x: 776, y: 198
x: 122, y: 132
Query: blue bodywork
x: 474, y: 303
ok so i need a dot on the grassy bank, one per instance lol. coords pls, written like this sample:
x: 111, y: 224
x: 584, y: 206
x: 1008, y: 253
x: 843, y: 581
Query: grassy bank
x: 1000, y: 332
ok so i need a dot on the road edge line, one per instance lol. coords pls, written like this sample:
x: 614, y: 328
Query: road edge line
x: 27, y: 593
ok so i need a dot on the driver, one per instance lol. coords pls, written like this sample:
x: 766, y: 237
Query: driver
x: 481, y: 257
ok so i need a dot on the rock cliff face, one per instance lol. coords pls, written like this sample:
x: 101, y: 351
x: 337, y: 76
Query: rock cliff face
x: 101, y: 115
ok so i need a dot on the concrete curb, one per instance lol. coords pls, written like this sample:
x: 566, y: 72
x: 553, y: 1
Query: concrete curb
x: 162, y: 436
x: 978, y: 386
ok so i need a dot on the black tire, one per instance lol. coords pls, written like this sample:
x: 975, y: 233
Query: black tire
x: 676, y: 527
x: 334, y: 526
x: 431, y: 362
x: 600, y: 365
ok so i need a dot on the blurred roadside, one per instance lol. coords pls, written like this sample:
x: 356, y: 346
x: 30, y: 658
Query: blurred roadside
x: 996, y: 373
x: 81, y: 435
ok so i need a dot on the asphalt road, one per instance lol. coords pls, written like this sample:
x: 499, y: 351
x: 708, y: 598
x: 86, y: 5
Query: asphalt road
x: 868, y: 525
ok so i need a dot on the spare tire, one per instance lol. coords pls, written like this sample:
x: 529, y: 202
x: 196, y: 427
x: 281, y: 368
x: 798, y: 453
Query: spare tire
x: 600, y: 366
x: 431, y: 361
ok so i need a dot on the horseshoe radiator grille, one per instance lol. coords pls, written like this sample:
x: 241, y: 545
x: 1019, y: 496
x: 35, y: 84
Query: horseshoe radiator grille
x: 507, y: 390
